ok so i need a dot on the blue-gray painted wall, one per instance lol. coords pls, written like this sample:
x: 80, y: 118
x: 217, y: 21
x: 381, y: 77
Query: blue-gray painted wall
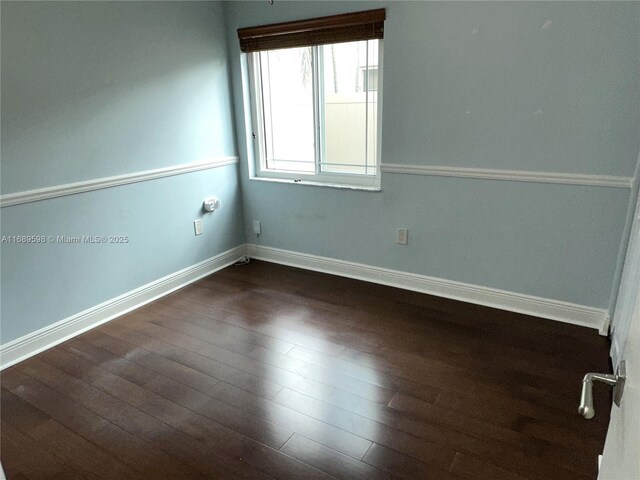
x: 95, y: 89
x: 512, y: 96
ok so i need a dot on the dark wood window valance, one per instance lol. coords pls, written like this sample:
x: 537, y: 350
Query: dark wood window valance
x: 347, y: 27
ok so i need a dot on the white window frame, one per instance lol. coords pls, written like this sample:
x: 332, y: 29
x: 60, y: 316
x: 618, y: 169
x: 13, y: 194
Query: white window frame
x: 258, y: 169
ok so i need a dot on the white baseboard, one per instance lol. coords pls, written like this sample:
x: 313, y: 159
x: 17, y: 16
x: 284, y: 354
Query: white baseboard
x: 47, y: 337
x: 491, y: 297
x: 34, y: 343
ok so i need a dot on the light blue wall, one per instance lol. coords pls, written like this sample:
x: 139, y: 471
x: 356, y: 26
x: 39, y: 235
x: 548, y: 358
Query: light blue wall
x: 560, y: 99
x: 42, y: 284
x: 94, y: 89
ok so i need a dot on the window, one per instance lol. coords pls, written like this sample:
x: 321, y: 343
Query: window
x: 315, y: 99
x: 369, y: 78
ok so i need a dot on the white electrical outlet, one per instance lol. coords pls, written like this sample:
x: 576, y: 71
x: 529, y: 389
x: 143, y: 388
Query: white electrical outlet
x: 257, y: 228
x: 402, y: 237
x: 197, y: 227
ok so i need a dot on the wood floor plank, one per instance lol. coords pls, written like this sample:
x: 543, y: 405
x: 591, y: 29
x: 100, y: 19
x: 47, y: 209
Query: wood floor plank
x: 416, y: 315
x: 16, y: 476
x: 252, y: 337
x: 215, y: 334
x: 149, y: 360
x: 202, y: 456
x: 19, y: 412
x: 257, y: 453
x: 249, y: 425
x: 112, y: 439
x: 252, y: 366
x: 331, y: 377
x: 415, y: 376
x: 95, y: 461
x: 280, y: 465
x: 345, y: 293
x: 249, y: 313
x: 242, y: 422
x: 552, y: 377
x: 502, y: 447
x: 512, y: 412
x: 227, y: 442
x: 515, y: 433
x: 474, y: 339
x: 335, y: 438
x: 472, y: 468
x: 115, y: 364
x: 427, y: 416
x: 497, y: 367
x: 403, y: 466
x: 140, y: 424
x: 422, y: 449
x: 196, y: 361
x: 264, y: 371
x: 103, y: 404
x: 22, y: 455
x: 424, y: 389
x: 332, y: 462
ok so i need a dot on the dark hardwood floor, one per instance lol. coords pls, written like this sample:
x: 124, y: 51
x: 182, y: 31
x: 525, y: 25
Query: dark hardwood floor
x: 265, y: 371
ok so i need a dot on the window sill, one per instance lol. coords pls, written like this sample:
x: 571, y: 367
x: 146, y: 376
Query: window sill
x: 318, y: 184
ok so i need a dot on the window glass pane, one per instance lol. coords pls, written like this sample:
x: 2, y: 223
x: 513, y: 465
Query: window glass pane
x: 287, y: 93
x: 349, y: 107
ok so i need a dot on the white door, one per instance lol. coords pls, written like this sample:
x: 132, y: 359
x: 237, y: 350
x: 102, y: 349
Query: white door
x: 621, y: 456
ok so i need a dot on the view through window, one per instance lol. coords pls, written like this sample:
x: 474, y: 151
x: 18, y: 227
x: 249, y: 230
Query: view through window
x: 319, y: 108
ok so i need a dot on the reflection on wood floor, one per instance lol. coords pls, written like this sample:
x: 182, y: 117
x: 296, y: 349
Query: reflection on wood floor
x: 265, y: 371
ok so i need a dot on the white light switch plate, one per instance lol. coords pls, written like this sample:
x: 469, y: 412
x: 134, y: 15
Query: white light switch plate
x: 402, y: 237
x: 197, y: 227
